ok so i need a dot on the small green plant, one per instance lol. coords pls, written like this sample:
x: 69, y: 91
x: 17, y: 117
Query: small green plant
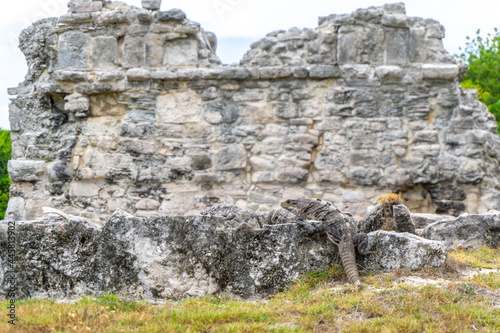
x: 468, y: 290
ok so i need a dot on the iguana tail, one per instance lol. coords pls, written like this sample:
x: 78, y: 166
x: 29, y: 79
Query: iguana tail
x: 348, y: 257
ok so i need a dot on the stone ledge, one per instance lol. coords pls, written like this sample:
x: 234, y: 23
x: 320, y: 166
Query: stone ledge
x: 440, y: 72
x: 73, y: 76
x: 26, y: 170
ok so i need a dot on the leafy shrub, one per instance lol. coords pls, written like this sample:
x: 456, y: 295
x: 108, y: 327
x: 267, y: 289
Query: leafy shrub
x: 483, y: 57
x: 5, y: 155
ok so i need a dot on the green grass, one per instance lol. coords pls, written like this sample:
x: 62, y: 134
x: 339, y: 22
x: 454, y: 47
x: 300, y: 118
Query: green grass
x: 318, y: 302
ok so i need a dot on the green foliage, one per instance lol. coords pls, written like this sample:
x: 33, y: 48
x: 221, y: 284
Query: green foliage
x: 483, y: 57
x: 5, y: 154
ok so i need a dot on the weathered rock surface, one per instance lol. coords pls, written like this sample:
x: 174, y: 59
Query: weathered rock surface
x: 171, y: 257
x: 135, y: 111
x: 393, y: 250
x: 468, y: 231
x: 388, y: 216
x: 423, y: 220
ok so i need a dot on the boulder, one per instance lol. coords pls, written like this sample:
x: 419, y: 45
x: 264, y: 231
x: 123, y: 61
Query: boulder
x: 468, y: 231
x: 422, y: 220
x: 391, y: 250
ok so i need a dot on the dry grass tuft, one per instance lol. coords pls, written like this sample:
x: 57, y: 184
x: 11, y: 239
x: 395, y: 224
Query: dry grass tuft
x: 392, y: 198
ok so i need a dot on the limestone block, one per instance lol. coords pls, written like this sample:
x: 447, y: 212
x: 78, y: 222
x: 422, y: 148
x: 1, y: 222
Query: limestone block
x: 324, y: 71
x: 139, y: 147
x: 270, y: 145
x: 262, y: 198
x: 416, y: 44
x: 286, y: 110
x: 26, y: 170
x: 435, y: 30
x: 275, y: 130
x: 292, y: 175
x: 249, y: 95
x: 134, y: 51
x: 262, y: 162
x: 68, y: 75
x: 179, y: 107
x: 258, y: 112
x: 426, y: 136
x: 392, y: 250
x: 389, y: 73
x: 396, y: 46
x: 147, y: 204
x: 294, y: 159
x: 155, y: 49
x: 16, y: 209
x: 274, y: 72
x: 76, y: 18
x: 110, y: 75
x: 395, y: 20
x: 200, y: 162
x: 118, y: 203
x: 72, y: 50
x: 365, y: 176
x: 87, y: 189
x: 58, y: 170
x: 99, y: 125
x: 140, y: 116
x: 348, y: 44
x: 439, y: 71
x: 235, y: 73
x: 220, y: 111
x: 111, y: 17
x: 106, y: 105
x: 138, y: 74
x: 471, y: 172
x: 84, y: 6
x: 14, y: 118
x: 264, y: 176
x: 182, y: 52
x: 151, y: 4
x: 76, y: 103
x: 104, y: 52
x: 175, y: 15
x: 231, y: 157
x: 426, y: 150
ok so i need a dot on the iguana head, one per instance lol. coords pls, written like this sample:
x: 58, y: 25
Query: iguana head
x: 296, y: 206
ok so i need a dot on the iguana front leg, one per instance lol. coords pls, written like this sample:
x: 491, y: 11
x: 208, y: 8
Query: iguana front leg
x: 310, y: 229
x: 360, y: 241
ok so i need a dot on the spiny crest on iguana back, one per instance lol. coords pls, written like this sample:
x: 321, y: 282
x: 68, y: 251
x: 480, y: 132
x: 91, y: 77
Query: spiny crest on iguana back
x: 317, y: 209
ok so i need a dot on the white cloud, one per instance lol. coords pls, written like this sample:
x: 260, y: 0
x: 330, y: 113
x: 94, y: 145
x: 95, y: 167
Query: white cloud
x: 235, y: 22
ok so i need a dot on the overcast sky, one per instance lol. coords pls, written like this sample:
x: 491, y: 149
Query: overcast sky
x: 239, y: 22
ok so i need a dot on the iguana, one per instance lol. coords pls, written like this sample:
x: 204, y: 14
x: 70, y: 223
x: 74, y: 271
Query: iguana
x: 339, y: 227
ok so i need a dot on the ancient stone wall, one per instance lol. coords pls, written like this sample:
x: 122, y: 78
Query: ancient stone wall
x: 130, y: 108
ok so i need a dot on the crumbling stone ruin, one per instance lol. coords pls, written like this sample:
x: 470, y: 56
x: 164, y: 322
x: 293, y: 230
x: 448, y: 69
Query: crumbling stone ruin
x: 130, y: 108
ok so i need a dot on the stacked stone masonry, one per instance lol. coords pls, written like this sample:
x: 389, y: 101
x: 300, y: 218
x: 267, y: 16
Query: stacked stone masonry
x: 130, y: 108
